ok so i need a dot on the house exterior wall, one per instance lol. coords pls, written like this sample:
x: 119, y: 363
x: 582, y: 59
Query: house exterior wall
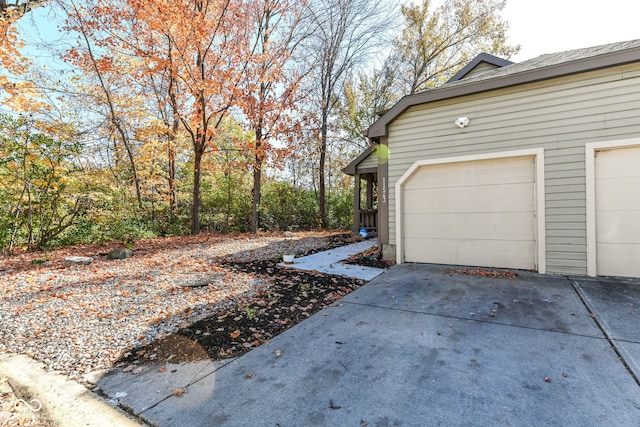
x: 559, y: 115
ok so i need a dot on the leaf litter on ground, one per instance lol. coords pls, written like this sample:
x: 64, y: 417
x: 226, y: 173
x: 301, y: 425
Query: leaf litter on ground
x: 80, y: 319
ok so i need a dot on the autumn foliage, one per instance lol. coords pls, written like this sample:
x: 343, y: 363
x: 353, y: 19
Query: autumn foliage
x: 190, y: 115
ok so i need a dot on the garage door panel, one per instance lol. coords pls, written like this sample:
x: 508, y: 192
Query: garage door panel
x: 620, y: 227
x: 616, y: 194
x: 618, y: 163
x: 497, y: 198
x: 471, y: 213
x: 483, y: 253
x: 492, y: 226
x: 617, y: 200
x: 486, y: 172
x: 618, y: 260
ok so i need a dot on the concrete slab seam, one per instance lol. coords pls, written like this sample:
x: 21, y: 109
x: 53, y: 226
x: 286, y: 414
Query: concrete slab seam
x: 195, y: 379
x: 489, y: 322
x: 602, y: 325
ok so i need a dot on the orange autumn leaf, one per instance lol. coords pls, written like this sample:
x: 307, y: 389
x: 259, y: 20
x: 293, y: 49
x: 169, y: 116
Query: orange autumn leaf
x: 235, y: 334
x: 180, y: 391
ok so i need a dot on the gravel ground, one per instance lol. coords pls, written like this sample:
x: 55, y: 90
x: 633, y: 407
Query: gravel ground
x: 83, y: 318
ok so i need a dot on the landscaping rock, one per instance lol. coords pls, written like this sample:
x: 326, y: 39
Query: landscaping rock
x: 77, y: 260
x: 120, y: 254
x: 196, y: 283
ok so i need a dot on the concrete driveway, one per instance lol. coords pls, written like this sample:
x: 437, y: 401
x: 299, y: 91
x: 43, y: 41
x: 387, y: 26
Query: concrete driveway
x: 425, y: 345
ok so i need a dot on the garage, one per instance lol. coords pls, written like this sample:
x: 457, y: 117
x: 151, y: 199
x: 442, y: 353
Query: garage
x: 480, y: 213
x: 617, y: 211
x: 499, y: 168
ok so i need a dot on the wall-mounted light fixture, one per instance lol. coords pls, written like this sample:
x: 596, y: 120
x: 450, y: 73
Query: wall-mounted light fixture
x: 462, y: 122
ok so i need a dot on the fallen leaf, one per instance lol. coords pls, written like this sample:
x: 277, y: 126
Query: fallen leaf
x: 180, y: 391
x: 235, y: 334
x: 278, y: 353
x: 163, y: 369
x: 251, y: 375
x: 363, y: 423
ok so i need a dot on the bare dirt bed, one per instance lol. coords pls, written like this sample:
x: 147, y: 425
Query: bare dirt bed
x: 291, y: 297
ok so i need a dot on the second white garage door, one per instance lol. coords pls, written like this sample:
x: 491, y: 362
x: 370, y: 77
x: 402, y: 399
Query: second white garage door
x: 479, y: 213
x: 617, y: 191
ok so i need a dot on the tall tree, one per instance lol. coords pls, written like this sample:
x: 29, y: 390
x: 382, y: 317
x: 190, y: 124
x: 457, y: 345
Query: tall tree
x: 211, y: 52
x: 92, y: 55
x: 270, y: 86
x: 344, y: 34
x: 437, y: 41
x: 364, y: 96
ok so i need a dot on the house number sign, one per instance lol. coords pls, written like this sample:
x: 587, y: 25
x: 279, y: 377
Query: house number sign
x: 384, y: 190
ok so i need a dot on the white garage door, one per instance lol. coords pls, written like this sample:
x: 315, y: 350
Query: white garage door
x: 479, y: 213
x: 617, y: 198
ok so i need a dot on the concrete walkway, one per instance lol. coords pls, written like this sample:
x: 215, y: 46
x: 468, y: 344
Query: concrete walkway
x: 329, y: 262
x: 421, y: 345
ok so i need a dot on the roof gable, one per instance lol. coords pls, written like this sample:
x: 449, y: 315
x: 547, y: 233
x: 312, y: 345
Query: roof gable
x: 479, y: 64
x: 544, y: 67
x: 352, y: 167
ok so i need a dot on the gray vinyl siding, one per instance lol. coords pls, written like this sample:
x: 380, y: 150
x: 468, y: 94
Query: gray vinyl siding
x: 371, y: 161
x: 560, y: 115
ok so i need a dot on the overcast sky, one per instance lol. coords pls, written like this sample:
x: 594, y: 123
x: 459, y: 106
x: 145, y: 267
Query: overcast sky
x: 546, y: 26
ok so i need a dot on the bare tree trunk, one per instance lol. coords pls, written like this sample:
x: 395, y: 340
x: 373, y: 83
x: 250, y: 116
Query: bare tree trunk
x: 322, y: 198
x: 256, y: 194
x: 173, y: 192
x: 127, y: 145
x: 30, y: 217
x: 195, y: 208
x: 199, y: 142
x: 16, y: 227
x: 257, y: 182
x: 173, y: 101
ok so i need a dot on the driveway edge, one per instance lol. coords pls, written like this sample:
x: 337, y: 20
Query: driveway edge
x: 64, y: 402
